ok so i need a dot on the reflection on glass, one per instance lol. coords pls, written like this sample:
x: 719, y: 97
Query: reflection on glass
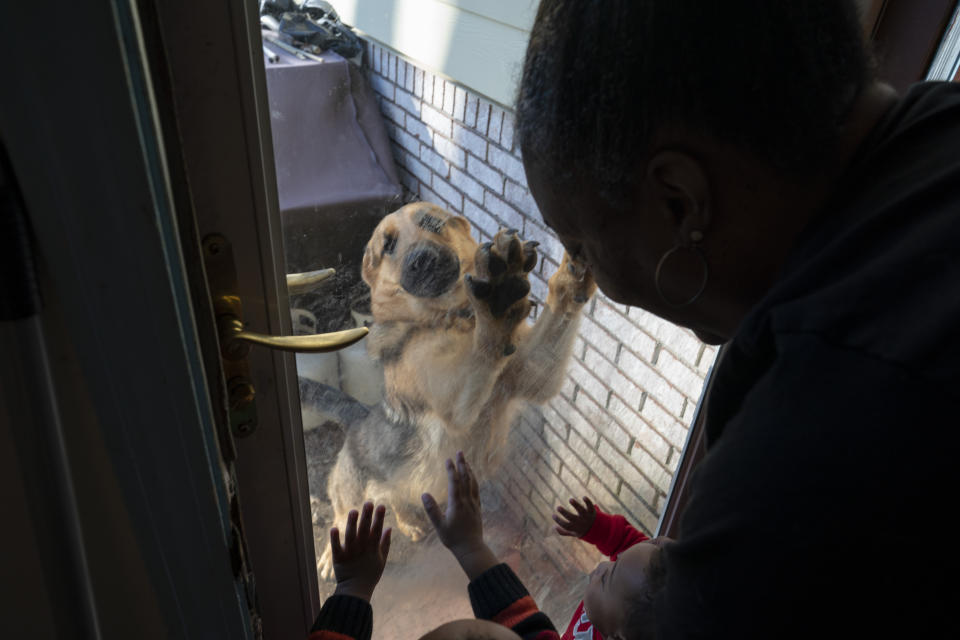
x: 560, y: 400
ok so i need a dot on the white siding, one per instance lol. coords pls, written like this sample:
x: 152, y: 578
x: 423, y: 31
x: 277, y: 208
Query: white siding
x: 477, y: 43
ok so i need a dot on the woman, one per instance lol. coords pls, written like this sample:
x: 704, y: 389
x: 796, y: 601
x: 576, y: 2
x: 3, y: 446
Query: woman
x: 737, y: 169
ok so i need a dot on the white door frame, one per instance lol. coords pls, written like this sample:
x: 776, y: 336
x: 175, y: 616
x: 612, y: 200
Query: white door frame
x: 210, y: 57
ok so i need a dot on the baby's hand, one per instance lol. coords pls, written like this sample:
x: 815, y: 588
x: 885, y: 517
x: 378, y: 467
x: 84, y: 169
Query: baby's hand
x: 359, y: 563
x: 460, y: 529
x: 575, y: 525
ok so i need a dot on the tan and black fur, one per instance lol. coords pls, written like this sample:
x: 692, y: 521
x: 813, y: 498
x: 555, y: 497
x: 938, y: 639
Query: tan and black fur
x: 459, y: 357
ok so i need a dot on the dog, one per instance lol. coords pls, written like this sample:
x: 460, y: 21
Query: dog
x: 459, y: 358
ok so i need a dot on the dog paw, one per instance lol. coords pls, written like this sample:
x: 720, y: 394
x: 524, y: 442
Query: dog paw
x: 411, y: 522
x: 325, y: 564
x: 500, y: 286
x: 416, y: 533
x: 571, y: 286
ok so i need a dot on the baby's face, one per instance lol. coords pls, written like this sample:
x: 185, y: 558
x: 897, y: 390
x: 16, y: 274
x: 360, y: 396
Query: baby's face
x: 614, y: 584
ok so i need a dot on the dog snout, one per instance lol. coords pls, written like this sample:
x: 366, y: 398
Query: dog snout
x: 429, y: 270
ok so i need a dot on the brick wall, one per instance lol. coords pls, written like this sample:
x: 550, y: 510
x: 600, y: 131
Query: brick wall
x: 616, y: 430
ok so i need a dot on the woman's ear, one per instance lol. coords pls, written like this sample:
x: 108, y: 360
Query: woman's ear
x: 680, y: 190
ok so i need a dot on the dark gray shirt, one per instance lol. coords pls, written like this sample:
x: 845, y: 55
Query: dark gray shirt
x: 824, y: 506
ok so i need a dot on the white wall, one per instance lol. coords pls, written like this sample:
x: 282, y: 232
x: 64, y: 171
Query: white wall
x: 479, y: 44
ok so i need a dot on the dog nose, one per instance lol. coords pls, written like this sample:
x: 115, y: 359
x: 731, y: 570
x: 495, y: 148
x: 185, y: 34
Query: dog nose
x: 429, y: 270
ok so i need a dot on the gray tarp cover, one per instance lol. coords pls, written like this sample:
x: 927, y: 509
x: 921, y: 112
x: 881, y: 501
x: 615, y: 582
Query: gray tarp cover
x: 335, y: 172
x: 329, y: 140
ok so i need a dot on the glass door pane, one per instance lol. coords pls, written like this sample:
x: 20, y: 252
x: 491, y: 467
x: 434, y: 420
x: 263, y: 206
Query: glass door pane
x: 407, y: 110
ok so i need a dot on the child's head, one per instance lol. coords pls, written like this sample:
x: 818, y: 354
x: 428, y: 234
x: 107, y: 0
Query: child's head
x: 619, y: 598
x: 471, y: 629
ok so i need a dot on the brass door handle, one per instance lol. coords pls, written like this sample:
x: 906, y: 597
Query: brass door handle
x: 231, y: 330
x: 304, y: 282
x: 235, y: 341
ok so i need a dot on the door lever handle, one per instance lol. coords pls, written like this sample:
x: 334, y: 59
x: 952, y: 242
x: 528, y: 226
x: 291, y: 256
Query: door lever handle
x: 304, y: 282
x: 235, y: 341
x: 231, y: 331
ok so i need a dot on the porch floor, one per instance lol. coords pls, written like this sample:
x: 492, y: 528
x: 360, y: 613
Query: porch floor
x: 422, y: 585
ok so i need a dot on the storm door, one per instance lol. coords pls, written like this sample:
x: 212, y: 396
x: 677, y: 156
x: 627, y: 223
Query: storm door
x: 291, y: 156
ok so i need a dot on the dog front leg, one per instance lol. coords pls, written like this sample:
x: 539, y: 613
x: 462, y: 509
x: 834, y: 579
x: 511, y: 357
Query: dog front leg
x: 538, y: 370
x: 498, y: 294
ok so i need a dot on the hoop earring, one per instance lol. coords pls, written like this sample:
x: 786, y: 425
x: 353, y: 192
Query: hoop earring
x: 659, y: 272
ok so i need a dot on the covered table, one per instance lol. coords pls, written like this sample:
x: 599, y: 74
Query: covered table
x: 335, y: 172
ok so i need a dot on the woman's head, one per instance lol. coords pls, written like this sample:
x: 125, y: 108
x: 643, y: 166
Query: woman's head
x: 658, y: 137
x: 600, y: 80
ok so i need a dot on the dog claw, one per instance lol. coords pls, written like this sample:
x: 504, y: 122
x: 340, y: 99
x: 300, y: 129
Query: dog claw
x: 514, y: 252
x: 530, y: 256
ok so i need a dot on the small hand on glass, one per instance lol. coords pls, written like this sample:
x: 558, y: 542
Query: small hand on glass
x: 576, y: 525
x: 460, y: 527
x: 358, y: 563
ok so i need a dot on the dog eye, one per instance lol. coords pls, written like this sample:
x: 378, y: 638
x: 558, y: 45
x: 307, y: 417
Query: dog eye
x: 389, y: 244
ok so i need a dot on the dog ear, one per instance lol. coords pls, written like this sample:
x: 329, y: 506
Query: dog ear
x: 459, y: 221
x: 371, y: 259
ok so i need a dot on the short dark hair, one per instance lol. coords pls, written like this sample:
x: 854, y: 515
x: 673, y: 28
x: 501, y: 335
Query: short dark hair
x: 640, y: 619
x: 775, y: 77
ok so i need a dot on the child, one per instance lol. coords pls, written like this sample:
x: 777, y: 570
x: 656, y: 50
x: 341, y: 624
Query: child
x: 619, y: 597
x: 358, y: 565
x: 495, y: 591
x: 501, y: 603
